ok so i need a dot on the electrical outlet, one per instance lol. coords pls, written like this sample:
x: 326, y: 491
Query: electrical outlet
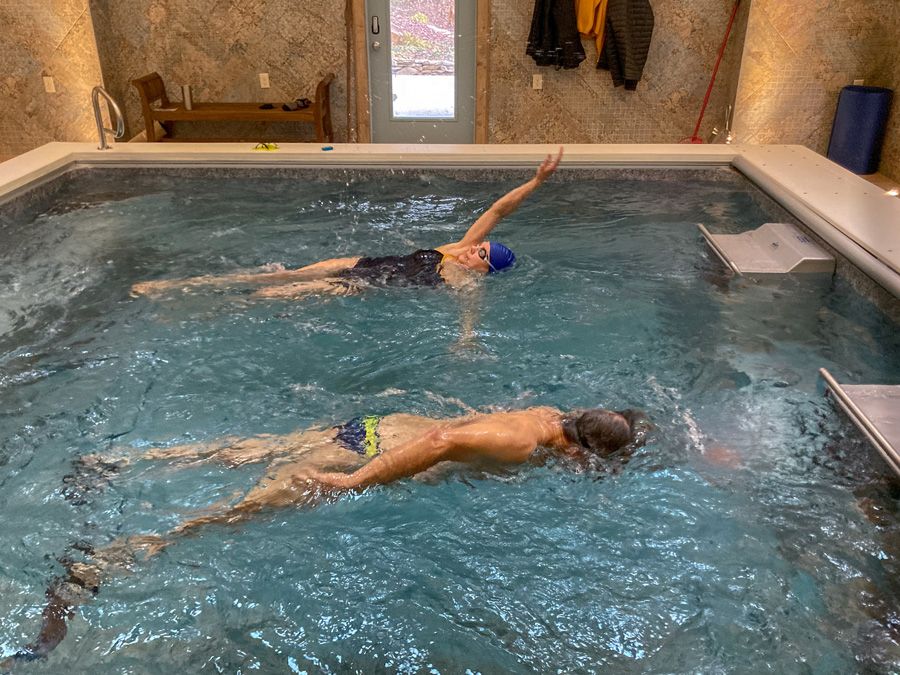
x: 537, y: 81
x: 859, y: 83
x: 263, y: 80
x: 49, y: 85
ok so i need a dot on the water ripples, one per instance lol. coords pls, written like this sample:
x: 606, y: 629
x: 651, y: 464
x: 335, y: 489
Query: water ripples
x: 752, y: 527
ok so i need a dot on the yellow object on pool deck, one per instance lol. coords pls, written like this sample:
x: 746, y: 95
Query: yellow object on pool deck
x: 271, y: 147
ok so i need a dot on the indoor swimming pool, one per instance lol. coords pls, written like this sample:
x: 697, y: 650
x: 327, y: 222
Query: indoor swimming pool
x: 755, y: 527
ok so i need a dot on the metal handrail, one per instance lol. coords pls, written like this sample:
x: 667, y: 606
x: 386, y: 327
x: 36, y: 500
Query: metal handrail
x: 113, y: 107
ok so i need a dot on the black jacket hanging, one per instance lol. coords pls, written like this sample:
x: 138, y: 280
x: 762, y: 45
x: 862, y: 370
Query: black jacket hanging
x: 554, y: 39
x: 629, y: 27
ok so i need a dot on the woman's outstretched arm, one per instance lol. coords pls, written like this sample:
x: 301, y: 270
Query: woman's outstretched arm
x: 508, y: 203
x: 484, y: 438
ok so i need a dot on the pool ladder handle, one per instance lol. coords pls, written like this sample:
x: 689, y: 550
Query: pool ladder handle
x: 114, y: 109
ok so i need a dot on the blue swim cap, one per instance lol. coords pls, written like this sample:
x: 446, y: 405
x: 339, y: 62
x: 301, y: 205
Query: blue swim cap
x: 500, y: 257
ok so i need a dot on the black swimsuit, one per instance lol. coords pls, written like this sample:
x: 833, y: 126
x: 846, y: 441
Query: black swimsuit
x: 421, y: 268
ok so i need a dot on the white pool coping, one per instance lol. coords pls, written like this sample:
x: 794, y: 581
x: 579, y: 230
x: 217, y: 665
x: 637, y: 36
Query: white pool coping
x: 855, y: 217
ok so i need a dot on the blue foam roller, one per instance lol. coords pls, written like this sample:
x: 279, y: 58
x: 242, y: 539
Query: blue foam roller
x: 858, y: 130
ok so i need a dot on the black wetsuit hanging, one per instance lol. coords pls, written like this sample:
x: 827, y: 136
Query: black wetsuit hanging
x: 421, y: 268
x: 554, y: 39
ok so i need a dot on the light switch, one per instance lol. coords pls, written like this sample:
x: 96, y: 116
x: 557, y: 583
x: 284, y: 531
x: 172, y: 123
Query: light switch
x: 537, y: 81
x: 263, y: 80
x: 49, y: 85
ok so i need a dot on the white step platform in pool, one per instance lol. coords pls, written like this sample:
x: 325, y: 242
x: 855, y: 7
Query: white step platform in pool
x: 773, y: 248
x: 875, y: 409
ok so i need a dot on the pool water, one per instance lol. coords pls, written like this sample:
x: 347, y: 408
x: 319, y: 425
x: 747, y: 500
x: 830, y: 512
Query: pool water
x: 754, y: 531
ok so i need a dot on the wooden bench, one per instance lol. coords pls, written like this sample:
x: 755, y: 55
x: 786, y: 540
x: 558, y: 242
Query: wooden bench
x: 157, y: 107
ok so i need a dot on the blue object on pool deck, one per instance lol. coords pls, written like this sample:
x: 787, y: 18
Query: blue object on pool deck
x: 858, y: 129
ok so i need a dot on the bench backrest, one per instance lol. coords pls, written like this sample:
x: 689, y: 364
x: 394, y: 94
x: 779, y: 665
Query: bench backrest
x: 323, y: 106
x: 151, y: 89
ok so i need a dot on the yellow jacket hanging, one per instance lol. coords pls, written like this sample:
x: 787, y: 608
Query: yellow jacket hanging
x: 591, y: 17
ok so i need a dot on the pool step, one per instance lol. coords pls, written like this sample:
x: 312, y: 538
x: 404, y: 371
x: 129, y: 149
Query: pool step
x: 875, y: 409
x: 773, y: 248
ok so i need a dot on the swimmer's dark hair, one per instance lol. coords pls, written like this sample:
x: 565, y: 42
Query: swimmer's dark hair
x: 601, y: 431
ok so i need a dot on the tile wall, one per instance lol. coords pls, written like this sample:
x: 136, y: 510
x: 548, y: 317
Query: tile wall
x: 785, y: 75
x: 219, y: 47
x: 798, y: 55
x: 583, y: 106
x: 46, y: 38
x: 890, y: 156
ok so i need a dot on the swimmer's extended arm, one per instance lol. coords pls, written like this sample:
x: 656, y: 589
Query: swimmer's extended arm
x: 508, y: 203
x: 470, y: 442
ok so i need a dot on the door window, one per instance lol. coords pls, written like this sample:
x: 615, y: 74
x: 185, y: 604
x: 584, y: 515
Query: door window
x: 423, y: 59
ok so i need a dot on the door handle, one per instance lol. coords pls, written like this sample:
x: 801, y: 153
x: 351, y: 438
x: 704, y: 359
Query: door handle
x: 376, y: 27
x: 376, y: 45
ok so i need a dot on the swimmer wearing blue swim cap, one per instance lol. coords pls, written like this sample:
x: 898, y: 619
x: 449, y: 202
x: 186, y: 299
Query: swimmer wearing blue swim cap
x: 487, y: 257
x: 451, y: 264
x: 500, y: 257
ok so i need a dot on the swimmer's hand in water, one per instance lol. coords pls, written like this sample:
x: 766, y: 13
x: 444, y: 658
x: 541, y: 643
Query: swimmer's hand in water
x: 272, y: 267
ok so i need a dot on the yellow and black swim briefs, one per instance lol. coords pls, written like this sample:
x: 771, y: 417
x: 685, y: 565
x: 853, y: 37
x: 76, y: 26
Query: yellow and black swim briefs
x: 360, y: 435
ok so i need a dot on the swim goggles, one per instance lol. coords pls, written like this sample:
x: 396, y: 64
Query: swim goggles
x: 266, y: 146
x: 484, y: 256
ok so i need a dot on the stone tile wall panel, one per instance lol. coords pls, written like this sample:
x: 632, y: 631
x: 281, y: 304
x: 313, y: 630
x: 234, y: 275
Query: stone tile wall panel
x: 797, y: 57
x: 582, y: 105
x: 785, y: 75
x: 45, y: 37
x: 890, y: 156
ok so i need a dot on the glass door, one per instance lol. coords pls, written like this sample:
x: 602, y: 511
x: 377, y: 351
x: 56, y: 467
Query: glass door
x: 422, y: 70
